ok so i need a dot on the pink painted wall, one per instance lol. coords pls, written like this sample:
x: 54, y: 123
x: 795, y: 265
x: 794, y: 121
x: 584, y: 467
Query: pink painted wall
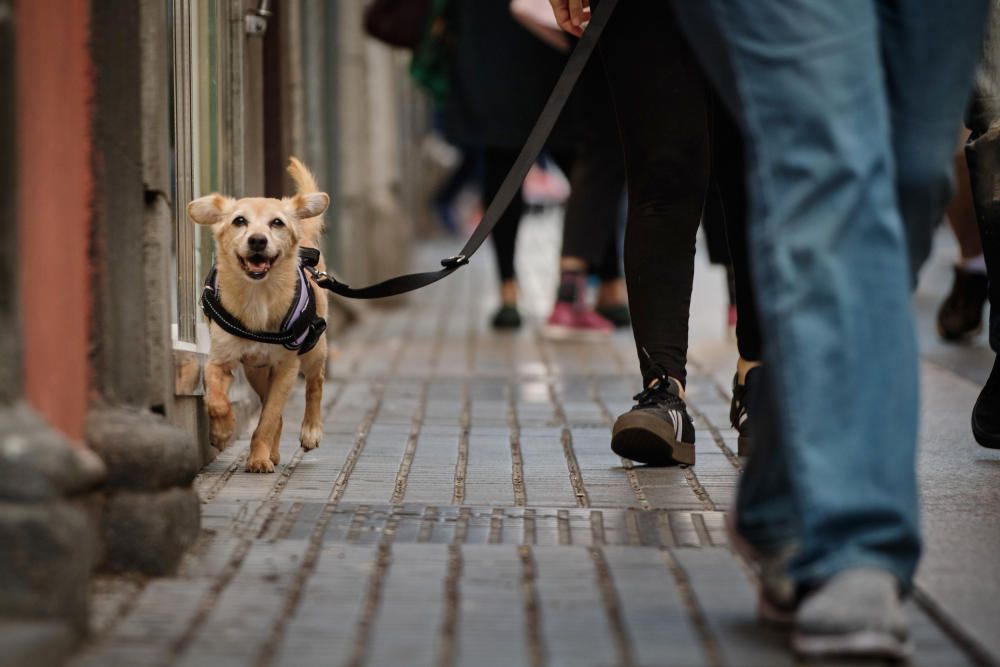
x: 54, y: 88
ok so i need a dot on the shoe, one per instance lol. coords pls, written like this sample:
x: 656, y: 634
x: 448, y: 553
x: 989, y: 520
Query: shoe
x: 571, y: 317
x: 658, y: 429
x: 507, y: 318
x: 986, y: 413
x: 739, y: 418
x: 544, y: 187
x: 961, y: 314
x: 617, y: 314
x: 857, y: 613
x: 776, y: 601
x: 572, y: 322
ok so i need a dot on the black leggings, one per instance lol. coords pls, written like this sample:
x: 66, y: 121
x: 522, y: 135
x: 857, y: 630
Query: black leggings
x: 596, y: 173
x: 727, y: 198
x: 597, y: 179
x: 666, y: 119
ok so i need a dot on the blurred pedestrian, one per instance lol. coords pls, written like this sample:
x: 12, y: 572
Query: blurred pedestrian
x: 960, y: 315
x: 983, y: 154
x: 501, y: 77
x: 591, y: 225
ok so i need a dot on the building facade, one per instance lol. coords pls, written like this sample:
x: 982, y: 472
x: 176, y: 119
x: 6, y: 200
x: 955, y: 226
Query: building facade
x: 120, y: 113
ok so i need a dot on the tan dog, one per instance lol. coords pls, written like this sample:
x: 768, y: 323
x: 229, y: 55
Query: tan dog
x: 257, y: 242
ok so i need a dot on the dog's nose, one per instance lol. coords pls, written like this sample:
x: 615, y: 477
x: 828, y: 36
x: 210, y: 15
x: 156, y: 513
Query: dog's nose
x: 257, y: 242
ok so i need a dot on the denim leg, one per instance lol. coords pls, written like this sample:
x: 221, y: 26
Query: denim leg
x: 832, y: 277
x: 928, y: 94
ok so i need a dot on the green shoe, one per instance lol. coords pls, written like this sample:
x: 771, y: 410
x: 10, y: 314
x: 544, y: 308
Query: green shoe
x: 617, y: 314
x: 507, y: 318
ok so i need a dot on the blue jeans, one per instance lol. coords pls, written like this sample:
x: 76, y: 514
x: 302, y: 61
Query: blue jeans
x: 850, y: 111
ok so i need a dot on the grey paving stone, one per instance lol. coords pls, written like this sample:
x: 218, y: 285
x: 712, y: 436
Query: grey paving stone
x: 407, y: 625
x: 491, y: 608
x: 322, y: 629
x: 658, y: 623
x: 728, y: 602
x: 574, y: 621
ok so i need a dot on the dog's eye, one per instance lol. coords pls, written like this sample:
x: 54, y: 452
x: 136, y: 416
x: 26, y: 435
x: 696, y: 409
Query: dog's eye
x: 240, y: 221
x: 277, y: 223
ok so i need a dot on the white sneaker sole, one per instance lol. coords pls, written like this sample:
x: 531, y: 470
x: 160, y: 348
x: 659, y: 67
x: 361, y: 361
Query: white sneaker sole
x: 867, y: 643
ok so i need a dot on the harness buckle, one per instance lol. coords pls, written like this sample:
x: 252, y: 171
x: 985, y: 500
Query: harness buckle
x: 318, y: 275
x: 454, y: 261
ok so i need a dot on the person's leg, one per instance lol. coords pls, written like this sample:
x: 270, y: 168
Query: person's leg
x: 612, y: 298
x: 729, y: 177
x: 585, y: 221
x: 832, y: 272
x: 729, y: 173
x: 831, y: 276
x: 444, y: 198
x: 983, y: 155
x: 596, y: 172
x: 713, y: 223
x: 659, y: 99
x: 660, y: 103
x: 496, y: 164
x: 927, y: 98
x: 961, y: 313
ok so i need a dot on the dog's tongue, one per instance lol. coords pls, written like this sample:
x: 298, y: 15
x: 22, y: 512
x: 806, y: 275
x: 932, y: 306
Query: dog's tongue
x: 259, y: 265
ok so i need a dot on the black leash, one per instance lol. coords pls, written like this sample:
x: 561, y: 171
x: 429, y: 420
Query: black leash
x: 529, y: 153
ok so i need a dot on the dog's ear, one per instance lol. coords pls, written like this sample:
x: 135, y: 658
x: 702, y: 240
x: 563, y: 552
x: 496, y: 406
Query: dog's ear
x: 207, y: 210
x: 310, y: 205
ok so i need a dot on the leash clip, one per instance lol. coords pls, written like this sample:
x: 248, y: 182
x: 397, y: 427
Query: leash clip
x: 319, y: 275
x: 454, y: 261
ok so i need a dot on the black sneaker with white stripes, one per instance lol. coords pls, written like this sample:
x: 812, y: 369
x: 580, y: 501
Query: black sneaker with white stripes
x: 739, y: 418
x: 658, y: 429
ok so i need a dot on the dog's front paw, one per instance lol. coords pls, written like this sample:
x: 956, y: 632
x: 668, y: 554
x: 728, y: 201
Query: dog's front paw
x: 260, y: 465
x: 220, y: 430
x: 310, y: 436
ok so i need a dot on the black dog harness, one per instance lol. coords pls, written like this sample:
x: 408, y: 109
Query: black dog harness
x: 301, y: 328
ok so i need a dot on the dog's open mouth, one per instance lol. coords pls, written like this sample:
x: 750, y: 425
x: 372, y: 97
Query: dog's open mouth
x: 256, y: 265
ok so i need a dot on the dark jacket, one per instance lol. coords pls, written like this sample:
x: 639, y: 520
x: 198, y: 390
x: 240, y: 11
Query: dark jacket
x: 501, y: 78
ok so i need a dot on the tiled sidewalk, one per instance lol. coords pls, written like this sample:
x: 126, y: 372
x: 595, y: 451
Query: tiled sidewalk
x: 463, y: 509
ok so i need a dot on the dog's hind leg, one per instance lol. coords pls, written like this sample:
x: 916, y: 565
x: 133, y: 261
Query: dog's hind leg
x: 276, y: 443
x: 314, y: 370
x: 268, y: 432
x: 221, y: 419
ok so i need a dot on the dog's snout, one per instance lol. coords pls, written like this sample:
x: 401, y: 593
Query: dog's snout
x: 257, y: 242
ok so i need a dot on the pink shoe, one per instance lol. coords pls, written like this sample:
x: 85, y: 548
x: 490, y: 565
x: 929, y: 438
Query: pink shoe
x: 544, y: 187
x: 573, y: 322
